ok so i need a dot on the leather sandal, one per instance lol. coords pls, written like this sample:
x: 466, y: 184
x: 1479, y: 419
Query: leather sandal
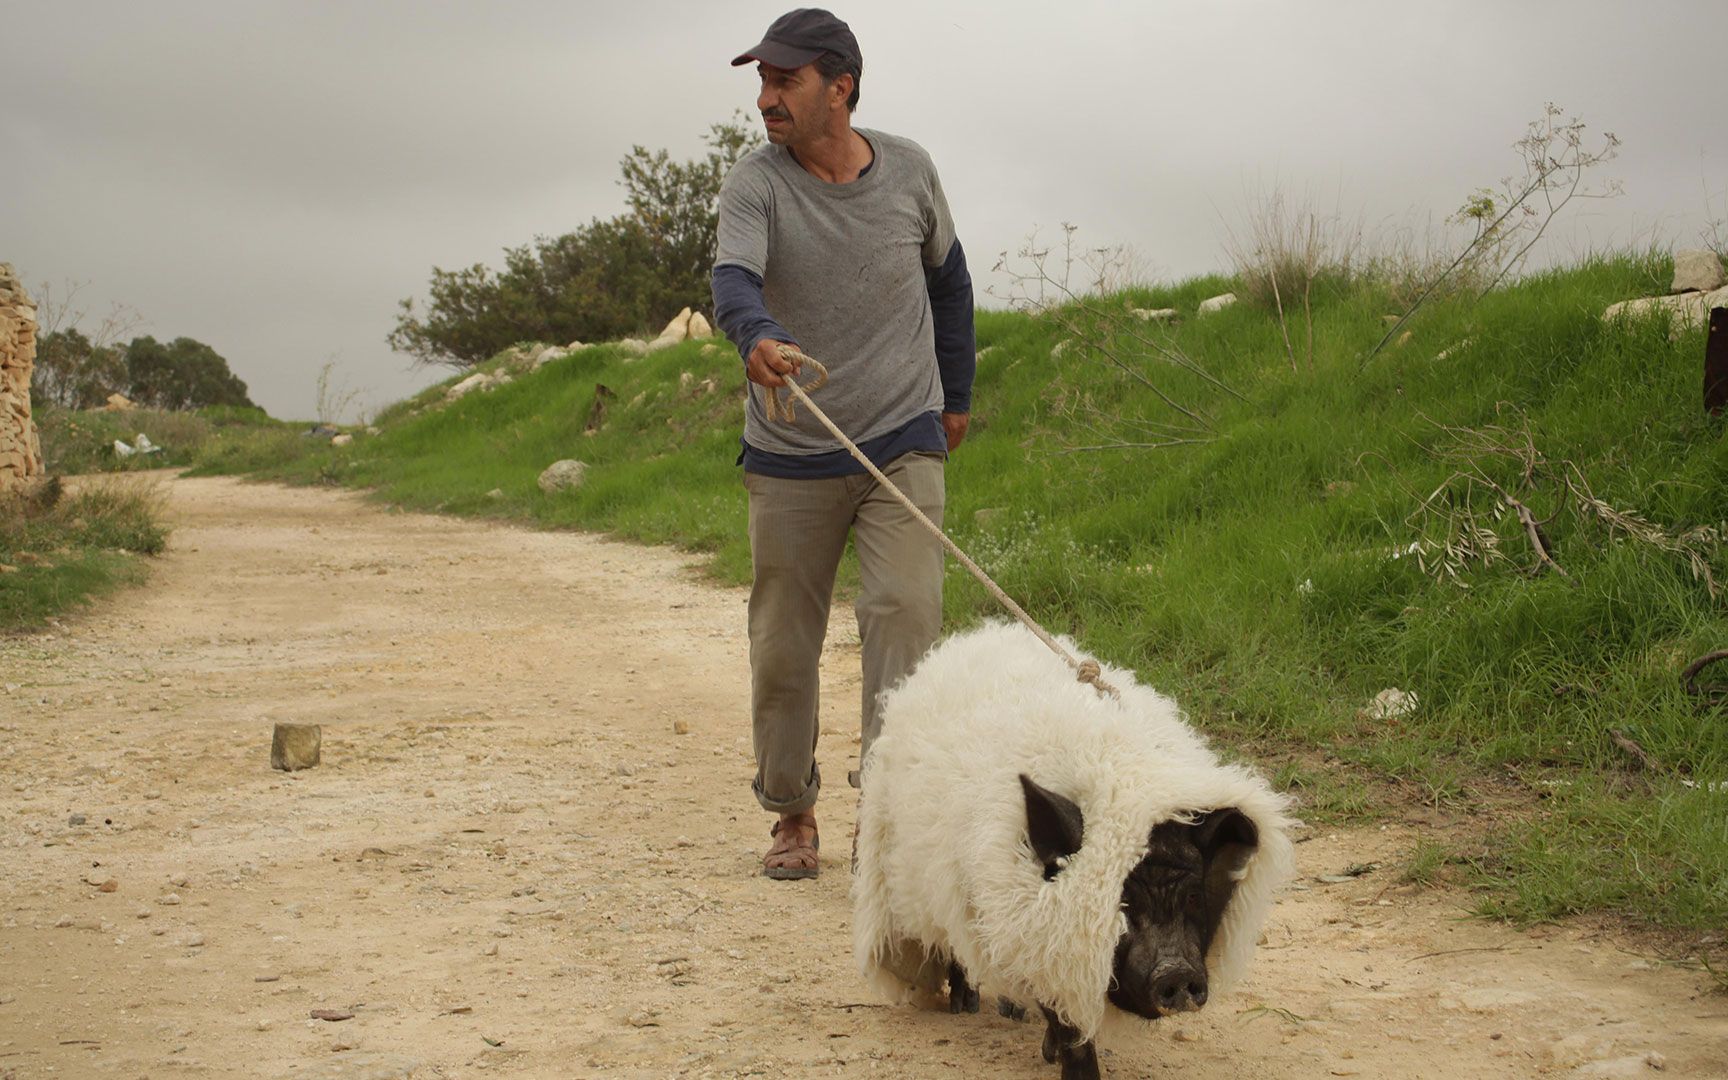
x: 790, y: 859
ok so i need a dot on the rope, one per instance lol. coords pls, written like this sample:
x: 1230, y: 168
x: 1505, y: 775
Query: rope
x: 1086, y: 671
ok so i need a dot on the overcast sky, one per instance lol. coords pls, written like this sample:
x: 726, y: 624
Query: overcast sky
x: 271, y: 178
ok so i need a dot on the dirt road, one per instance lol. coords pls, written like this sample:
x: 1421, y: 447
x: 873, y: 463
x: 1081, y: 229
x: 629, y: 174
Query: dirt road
x: 510, y: 863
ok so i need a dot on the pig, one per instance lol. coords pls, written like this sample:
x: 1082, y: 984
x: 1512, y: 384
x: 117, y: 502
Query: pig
x: 1083, y: 854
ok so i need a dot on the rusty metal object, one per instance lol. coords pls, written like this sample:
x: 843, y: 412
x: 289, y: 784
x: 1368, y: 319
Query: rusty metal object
x: 1716, y: 362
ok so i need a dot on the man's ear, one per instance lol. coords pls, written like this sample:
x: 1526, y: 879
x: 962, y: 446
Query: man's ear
x: 841, y: 88
x: 1054, y: 825
x: 1226, y: 837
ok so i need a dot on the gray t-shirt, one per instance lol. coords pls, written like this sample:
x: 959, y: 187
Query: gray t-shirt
x: 842, y: 268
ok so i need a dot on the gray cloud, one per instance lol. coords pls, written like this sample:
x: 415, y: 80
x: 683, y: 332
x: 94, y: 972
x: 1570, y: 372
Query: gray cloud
x: 272, y: 177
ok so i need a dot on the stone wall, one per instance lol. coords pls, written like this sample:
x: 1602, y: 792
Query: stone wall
x: 20, y: 449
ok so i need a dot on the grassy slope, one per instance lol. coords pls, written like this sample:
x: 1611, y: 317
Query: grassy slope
x: 58, y: 552
x: 1190, y: 562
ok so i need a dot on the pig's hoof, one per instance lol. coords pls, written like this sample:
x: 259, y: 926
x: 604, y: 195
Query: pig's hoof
x: 962, y: 995
x: 1007, y: 1008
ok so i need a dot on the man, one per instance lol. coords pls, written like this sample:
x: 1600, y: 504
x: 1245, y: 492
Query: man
x: 837, y: 240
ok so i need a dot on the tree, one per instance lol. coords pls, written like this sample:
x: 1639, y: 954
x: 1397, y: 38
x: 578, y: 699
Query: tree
x: 74, y: 372
x: 76, y: 369
x: 183, y: 374
x: 606, y: 279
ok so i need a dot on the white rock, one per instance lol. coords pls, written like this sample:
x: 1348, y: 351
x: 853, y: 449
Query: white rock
x: 573, y: 346
x: 342, y: 440
x: 686, y: 380
x: 546, y: 356
x: 699, y: 328
x: 1217, y: 303
x: 495, y: 493
x: 1061, y: 347
x: 633, y: 347
x: 1390, y: 704
x: 1697, y: 269
x: 480, y: 380
x: 679, y: 328
x: 1685, y: 311
x: 710, y: 349
x: 664, y: 341
x: 566, y: 475
x: 1165, y: 314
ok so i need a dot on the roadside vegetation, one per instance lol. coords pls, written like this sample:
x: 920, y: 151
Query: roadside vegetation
x: 1325, y: 533
x: 1411, y: 467
x: 59, y: 550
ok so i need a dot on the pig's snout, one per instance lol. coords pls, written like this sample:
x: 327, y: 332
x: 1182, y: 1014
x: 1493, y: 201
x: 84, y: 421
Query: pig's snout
x: 1160, y: 989
x: 1179, y: 990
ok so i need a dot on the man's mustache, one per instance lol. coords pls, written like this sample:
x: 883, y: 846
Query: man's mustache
x: 776, y: 114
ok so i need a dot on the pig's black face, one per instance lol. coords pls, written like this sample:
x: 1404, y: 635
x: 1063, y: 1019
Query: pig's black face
x: 1174, y: 898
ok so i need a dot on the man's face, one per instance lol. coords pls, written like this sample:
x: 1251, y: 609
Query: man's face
x: 792, y: 102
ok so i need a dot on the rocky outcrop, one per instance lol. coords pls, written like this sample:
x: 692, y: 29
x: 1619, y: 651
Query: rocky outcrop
x: 687, y: 325
x: 1686, y: 311
x: 1697, y: 270
x: 566, y: 475
x: 480, y: 380
x: 20, y: 447
x: 1698, y: 287
x: 1217, y: 303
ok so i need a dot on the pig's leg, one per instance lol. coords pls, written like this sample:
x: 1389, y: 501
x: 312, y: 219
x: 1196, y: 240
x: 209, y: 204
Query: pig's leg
x: 1079, y: 1062
x: 962, y: 995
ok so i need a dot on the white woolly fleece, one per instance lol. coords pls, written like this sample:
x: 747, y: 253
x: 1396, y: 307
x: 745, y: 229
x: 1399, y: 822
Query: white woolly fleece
x: 944, y: 864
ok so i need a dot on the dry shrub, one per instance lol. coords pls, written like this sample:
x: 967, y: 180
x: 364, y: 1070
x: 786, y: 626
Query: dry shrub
x: 1286, y: 249
x: 1284, y: 252
x: 118, y: 511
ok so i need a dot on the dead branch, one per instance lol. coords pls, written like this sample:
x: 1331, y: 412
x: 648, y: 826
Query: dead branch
x: 1625, y: 742
x: 1133, y: 446
x: 1533, y: 529
x: 1453, y: 534
x: 1689, y: 677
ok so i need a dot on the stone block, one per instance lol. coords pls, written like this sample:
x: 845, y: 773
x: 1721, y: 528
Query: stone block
x: 296, y: 746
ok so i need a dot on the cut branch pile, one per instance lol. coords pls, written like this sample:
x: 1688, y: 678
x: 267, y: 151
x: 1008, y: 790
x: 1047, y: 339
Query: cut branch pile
x: 1499, y: 475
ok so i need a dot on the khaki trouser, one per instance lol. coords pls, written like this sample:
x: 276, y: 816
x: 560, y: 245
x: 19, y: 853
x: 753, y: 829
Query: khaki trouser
x: 797, y: 534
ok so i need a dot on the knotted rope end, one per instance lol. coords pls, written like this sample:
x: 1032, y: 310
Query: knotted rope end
x: 1092, y: 675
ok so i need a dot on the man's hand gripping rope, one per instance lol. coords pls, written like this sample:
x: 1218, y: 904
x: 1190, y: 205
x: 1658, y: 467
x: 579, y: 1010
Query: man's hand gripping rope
x: 793, y: 360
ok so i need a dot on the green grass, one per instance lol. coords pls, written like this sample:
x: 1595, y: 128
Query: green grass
x: 79, y: 442
x: 1251, y: 574
x: 60, y: 551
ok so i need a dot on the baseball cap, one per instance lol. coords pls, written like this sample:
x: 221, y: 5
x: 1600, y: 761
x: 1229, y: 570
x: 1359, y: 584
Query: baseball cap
x: 799, y: 37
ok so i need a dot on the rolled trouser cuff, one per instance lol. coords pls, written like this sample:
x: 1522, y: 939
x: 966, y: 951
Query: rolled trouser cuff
x: 803, y: 801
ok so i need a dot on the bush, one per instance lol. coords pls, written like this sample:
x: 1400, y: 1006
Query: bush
x: 603, y: 281
x: 59, y: 550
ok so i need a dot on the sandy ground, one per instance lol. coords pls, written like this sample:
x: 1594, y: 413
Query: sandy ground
x: 510, y: 862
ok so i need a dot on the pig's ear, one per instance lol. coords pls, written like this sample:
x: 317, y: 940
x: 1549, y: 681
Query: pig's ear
x: 1054, y: 825
x: 1226, y: 837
